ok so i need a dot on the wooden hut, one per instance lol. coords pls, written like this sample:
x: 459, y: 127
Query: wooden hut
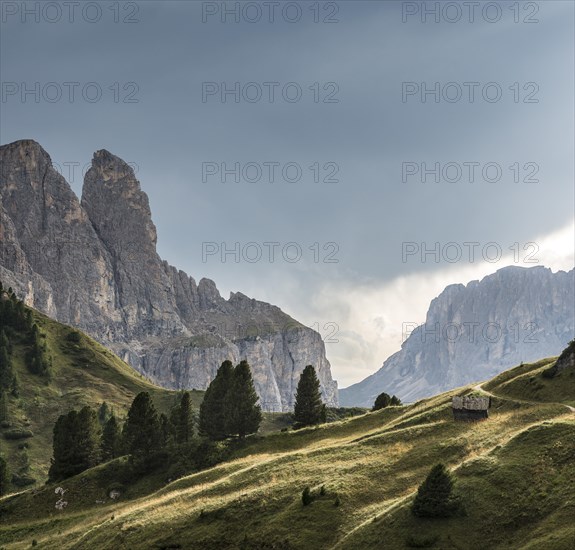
x: 470, y: 407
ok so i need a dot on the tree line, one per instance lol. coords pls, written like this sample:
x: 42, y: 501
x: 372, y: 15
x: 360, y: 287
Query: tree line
x: 17, y: 323
x: 82, y: 439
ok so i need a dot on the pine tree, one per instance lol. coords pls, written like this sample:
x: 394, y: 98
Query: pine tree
x: 111, y: 439
x: 167, y: 430
x: 4, y: 411
x: 142, y: 428
x: 76, y: 443
x: 213, y: 411
x: 89, y: 437
x: 4, y: 476
x: 6, y: 373
x: 35, y: 358
x: 308, y: 408
x: 243, y: 413
x: 434, y: 497
x: 395, y: 401
x: 105, y: 412
x: 382, y: 401
x: 183, y: 420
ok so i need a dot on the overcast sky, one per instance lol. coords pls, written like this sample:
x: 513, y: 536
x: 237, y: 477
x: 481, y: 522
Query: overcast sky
x: 347, y: 135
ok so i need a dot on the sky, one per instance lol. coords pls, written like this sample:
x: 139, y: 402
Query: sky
x: 333, y: 158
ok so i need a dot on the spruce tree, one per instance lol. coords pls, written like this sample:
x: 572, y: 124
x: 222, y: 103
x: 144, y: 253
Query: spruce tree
x: 142, y: 428
x: 382, y: 401
x: 243, y: 412
x: 434, y: 497
x: 76, y: 443
x: 111, y: 440
x: 183, y: 420
x: 167, y: 430
x: 395, y: 401
x: 105, y: 412
x: 89, y: 437
x: 213, y: 411
x: 4, y: 476
x: 6, y: 373
x: 62, y: 445
x: 4, y: 411
x: 308, y: 408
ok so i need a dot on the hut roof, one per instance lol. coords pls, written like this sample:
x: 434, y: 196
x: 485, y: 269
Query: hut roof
x: 470, y: 403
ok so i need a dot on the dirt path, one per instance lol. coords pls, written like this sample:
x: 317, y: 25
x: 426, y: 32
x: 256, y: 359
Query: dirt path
x: 402, y: 500
x: 479, y: 387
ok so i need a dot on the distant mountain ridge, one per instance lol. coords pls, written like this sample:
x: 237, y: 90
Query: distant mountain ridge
x: 93, y: 264
x: 475, y: 331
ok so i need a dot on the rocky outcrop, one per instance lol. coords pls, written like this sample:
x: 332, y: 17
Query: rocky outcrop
x: 474, y: 332
x: 93, y: 264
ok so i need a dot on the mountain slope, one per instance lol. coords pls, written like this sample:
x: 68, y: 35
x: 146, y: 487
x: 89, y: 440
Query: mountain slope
x: 474, y: 332
x: 83, y: 372
x: 93, y: 264
x: 514, y: 472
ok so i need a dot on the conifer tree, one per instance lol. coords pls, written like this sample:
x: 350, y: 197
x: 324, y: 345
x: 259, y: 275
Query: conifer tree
x: 183, y: 420
x: 384, y: 400
x: 243, y: 412
x: 76, y: 443
x: 89, y: 436
x: 8, y: 379
x: 213, y: 421
x: 142, y: 428
x: 395, y: 401
x: 308, y: 408
x: 111, y: 439
x: 6, y: 373
x: 4, y: 476
x: 434, y: 497
x: 167, y: 430
x: 105, y: 412
x: 4, y: 412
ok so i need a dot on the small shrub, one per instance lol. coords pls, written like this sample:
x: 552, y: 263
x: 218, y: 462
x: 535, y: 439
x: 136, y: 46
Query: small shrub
x: 549, y: 373
x: 337, y: 502
x: 22, y: 480
x: 74, y: 337
x: 306, y: 496
x: 17, y: 433
x: 209, y: 453
x: 34, y: 542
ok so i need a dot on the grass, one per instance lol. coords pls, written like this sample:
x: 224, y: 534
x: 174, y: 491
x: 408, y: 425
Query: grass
x: 529, y: 384
x: 83, y: 373
x: 514, y: 471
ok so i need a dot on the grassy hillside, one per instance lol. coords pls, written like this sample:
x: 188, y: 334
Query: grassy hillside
x: 83, y: 373
x: 515, y: 473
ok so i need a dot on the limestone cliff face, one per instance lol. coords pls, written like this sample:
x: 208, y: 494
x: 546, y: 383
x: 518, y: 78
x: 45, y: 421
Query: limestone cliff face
x: 93, y: 264
x: 474, y: 332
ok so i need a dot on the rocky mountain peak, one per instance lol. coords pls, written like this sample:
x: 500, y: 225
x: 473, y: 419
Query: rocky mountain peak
x: 111, y: 168
x: 94, y: 265
x: 475, y: 331
x: 117, y: 207
x: 29, y: 158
